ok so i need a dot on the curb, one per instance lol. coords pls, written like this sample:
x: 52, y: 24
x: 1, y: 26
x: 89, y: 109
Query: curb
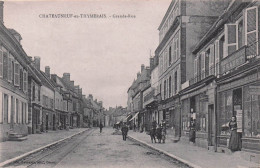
x: 7, y: 162
x: 166, y: 153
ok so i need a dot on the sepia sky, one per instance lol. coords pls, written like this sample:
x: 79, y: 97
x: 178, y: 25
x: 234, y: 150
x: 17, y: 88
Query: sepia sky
x: 102, y: 55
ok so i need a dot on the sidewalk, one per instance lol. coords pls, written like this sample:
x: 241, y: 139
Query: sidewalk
x: 11, y: 149
x: 197, y: 156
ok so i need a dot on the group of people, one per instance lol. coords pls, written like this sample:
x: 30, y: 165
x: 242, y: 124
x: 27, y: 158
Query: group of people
x: 158, y: 131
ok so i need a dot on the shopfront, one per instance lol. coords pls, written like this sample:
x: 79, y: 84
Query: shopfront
x: 239, y: 95
x: 198, y: 113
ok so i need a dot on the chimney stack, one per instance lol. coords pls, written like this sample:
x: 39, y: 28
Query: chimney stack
x: 37, y: 62
x: 142, y: 67
x: 2, y: 11
x: 72, y: 84
x: 66, y: 77
x: 90, y: 96
x: 48, y: 71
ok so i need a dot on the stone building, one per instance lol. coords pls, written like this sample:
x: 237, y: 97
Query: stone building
x: 227, y: 72
x: 13, y: 82
x: 183, y: 25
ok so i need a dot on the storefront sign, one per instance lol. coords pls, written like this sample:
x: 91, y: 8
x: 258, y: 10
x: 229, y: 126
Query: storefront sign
x: 236, y: 83
x: 233, y: 61
x: 239, y: 120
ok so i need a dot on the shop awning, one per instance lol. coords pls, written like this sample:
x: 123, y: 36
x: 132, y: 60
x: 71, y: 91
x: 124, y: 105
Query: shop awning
x: 127, y: 118
x: 134, y: 116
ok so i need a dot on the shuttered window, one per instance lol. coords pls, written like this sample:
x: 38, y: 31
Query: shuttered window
x: 9, y: 69
x: 202, y: 65
x: 16, y: 74
x: 25, y: 79
x: 231, y: 42
x: 195, y: 69
x: 217, y: 58
x: 21, y: 78
x: 5, y: 64
x: 1, y: 63
x: 251, y: 30
x: 212, y: 60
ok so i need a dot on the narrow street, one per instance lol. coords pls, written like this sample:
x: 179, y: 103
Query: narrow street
x: 94, y: 149
x: 107, y: 150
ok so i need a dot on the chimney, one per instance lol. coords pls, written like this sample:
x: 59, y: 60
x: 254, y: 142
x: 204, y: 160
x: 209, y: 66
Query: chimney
x: 72, y: 84
x: 47, y: 71
x: 66, y: 77
x: 90, y: 96
x: 142, y: 67
x: 37, y: 62
x: 2, y: 11
x: 151, y: 63
x: 53, y: 77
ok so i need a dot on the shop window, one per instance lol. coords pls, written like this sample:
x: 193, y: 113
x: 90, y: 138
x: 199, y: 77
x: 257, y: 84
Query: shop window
x: 251, y: 113
x: 225, y: 111
x: 17, y: 111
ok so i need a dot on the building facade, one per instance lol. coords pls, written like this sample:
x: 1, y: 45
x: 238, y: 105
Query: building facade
x: 13, y: 83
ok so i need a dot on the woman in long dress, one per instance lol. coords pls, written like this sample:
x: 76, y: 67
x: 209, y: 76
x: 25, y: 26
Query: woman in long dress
x: 234, y: 138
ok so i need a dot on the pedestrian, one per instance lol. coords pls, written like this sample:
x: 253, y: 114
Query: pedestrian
x: 192, y: 131
x: 100, y: 127
x: 159, y: 133
x: 124, y: 130
x: 163, y: 132
x: 234, y: 140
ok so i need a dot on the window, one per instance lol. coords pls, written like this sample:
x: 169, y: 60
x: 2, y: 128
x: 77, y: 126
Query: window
x: 5, y: 64
x: 1, y: 62
x: 170, y: 86
x: 165, y: 89
x: 212, y: 60
x: 33, y: 92
x: 16, y: 74
x: 231, y: 42
x: 9, y: 69
x: 240, y: 30
x: 21, y: 78
x: 170, y: 55
x: 25, y: 78
x: 17, y: 111
x: 217, y: 58
x: 207, y: 55
x: 5, y: 109
x: 195, y: 69
x: 175, y: 82
x: 202, y: 65
x: 251, y: 30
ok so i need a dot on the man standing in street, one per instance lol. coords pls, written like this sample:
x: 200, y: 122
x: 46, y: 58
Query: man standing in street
x: 124, y: 130
x: 100, y: 127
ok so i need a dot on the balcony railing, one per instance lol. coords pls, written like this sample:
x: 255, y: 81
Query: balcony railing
x: 248, y: 53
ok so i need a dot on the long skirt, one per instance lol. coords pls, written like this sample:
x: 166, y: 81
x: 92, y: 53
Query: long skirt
x: 234, y: 141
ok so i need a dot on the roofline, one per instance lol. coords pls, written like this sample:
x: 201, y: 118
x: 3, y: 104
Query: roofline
x: 166, y: 14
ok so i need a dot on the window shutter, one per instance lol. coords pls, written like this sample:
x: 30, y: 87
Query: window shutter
x: 9, y: 69
x: 2, y: 106
x: 251, y: 30
x: 195, y: 70
x: 203, y: 65
x: 212, y: 60
x: 25, y: 79
x: 16, y: 74
x: 231, y: 42
x: 217, y: 57
x: 1, y: 63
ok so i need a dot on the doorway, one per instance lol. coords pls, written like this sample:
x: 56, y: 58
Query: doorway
x: 53, y: 121
x: 211, y: 119
x: 47, y: 122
